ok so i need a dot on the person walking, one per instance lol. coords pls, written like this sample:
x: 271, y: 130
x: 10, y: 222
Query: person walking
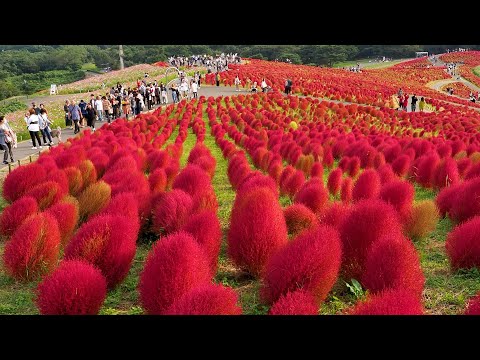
x: 75, y: 115
x: 126, y: 106
x: 91, y: 116
x: 164, y: 94
x: 194, y: 88
x: 8, y: 139
x: 288, y: 86
x: 44, y: 124
x: 99, y: 107
x: 33, y: 127
x: 68, y: 119
x: 414, y: 103
x: 237, y: 83
x: 83, y: 110
x: 217, y: 78
x: 107, y: 108
x: 421, y: 104
x: 405, y: 102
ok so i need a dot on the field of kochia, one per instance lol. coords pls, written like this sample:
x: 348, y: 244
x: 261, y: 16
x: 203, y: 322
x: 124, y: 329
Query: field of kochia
x: 251, y: 204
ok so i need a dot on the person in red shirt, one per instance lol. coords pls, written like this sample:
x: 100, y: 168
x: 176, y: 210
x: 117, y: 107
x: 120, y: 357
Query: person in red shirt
x: 405, y: 102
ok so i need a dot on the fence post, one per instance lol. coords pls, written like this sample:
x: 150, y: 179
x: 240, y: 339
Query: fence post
x: 18, y: 162
x: 30, y: 157
x: 9, y: 168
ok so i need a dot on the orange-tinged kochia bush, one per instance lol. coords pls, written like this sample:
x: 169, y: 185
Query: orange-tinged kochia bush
x: 207, y: 299
x: 89, y: 173
x: 34, y: 248
x: 257, y: 229
x: 15, y: 214
x: 75, y: 180
x: 74, y: 288
x: 298, y: 217
x: 46, y: 193
x: 393, y: 262
x: 298, y: 302
x: 175, y: 265
x: 93, y: 199
x: 310, y: 262
x: 423, y: 219
x: 108, y: 242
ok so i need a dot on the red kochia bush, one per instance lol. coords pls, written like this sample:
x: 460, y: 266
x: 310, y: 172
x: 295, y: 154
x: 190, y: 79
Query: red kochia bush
x: 400, y: 195
x: 334, y: 182
x: 257, y: 179
x: 310, y: 262
x: 89, y: 173
x: 14, y: 215
x: 313, y: 195
x: 368, y: 221
x: 446, y: 198
x: 398, y: 301
x: 257, y: 229
x: 207, y: 163
x: 335, y: 214
x: 446, y: 173
x: 473, y: 306
x: 193, y: 180
x: 393, y: 262
x: 171, y: 210
x: 175, y: 265
x: 21, y: 180
x: 298, y: 302
x: 207, y: 299
x: 298, y: 217
x: 401, y: 165
x: 205, y: 228
x: 33, y: 249
x: 294, y: 183
x: 158, y: 180
x: 465, y: 203
x: 367, y: 186
x: 108, y: 242
x: 347, y: 190
x: 74, y: 288
x: 463, y: 245
x: 67, y: 214
x: 46, y: 193
x: 317, y: 170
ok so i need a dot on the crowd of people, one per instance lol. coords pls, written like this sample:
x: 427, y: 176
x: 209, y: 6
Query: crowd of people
x: 212, y: 63
x: 403, y: 102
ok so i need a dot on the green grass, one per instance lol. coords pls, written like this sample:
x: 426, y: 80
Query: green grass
x: 364, y: 64
x: 476, y: 70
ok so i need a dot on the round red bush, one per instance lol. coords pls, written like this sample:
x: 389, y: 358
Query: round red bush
x: 335, y: 214
x: 16, y: 213
x: 175, y: 265
x: 170, y: 211
x: 310, y: 262
x: 463, y: 245
x: 257, y: 229
x: 368, y: 221
x: 393, y: 262
x: 74, y: 288
x: 67, y: 215
x: 21, y: 180
x: 34, y: 248
x: 46, y: 193
x: 334, y: 182
x: 313, y: 195
x: 398, y: 301
x: 205, y: 228
x: 367, y: 186
x: 346, y: 193
x: 400, y: 195
x: 298, y: 302
x: 473, y: 306
x: 108, y: 242
x: 207, y: 299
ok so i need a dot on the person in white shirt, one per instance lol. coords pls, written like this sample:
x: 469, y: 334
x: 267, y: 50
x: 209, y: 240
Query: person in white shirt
x: 99, y: 108
x: 237, y: 83
x: 33, y: 127
x: 194, y: 87
x: 184, y: 88
x: 164, y: 94
x: 263, y: 85
x: 45, y: 123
